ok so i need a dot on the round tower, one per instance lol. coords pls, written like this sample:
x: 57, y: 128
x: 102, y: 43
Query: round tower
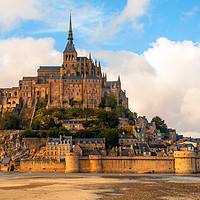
x: 72, y: 163
x: 184, y: 162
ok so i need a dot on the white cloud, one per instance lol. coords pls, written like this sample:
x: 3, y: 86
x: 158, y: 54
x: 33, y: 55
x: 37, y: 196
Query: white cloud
x: 190, y: 107
x: 131, y: 13
x: 192, y: 12
x: 22, y: 56
x: 162, y: 81
x: 13, y: 12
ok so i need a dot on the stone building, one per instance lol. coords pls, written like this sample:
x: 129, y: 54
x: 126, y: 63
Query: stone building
x: 79, y: 81
x: 98, y: 143
x: 56, y: 148
x: 73, y: 124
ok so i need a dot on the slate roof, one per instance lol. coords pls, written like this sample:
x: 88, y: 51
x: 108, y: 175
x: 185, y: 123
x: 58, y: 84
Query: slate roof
x: 52, y: 141
x: 5, y: 161
x: 49, y: 68
x: 82, y: 58
x: 91, y: 152
x: 29, y: 78
x: 72, y: 122
x: 138, y: 128
x: 127, y: 136
x: 66, y: 77
x: 70, y: 48
x: 144, y: 147
x: 125, y: 152
x: 75, y: 77
x: 91, y: 77
x: 149, y: 124
x: 93, y: 140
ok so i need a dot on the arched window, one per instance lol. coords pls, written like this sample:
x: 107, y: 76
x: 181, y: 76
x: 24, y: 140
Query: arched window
x: 69, y: 57
x: 66, y: 57
x: 72, y: 57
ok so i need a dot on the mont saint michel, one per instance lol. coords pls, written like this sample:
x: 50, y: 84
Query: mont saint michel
x: 97, y: 124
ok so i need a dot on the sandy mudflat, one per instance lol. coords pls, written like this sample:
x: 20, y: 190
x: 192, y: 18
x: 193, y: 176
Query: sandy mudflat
x: 51, y: 186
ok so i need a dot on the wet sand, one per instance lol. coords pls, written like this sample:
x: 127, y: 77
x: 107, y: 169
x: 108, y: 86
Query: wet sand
x: 51, y: 186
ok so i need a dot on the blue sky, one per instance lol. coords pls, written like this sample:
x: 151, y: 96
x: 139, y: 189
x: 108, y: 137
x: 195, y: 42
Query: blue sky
x: 152, y: 44
x: 177, y: 20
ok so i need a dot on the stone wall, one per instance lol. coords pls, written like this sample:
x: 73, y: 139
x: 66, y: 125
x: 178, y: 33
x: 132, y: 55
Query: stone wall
x: 186, y: 162
x: 41, y: 166
x: 127, y: 164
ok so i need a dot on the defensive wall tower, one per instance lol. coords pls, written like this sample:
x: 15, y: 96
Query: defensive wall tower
x: 186, y: 162
x: 72, y: 163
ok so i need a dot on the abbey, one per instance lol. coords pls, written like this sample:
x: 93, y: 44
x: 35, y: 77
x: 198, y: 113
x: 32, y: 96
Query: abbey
x: 78, y: 79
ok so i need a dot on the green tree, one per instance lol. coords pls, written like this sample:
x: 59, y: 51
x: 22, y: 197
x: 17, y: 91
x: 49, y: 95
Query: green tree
x: 49, y: 124
x: 10, y: 121
x: 59, y: 115
x: 36, y: 124
x: 29, y: 133
x: 160, y: 124
x: 63, y: 131
x: 53, y: 132
x: 101, y: 116
x: 112, y: 119
x: 108, y: 102
x: 128, y: 128
x: 111, y: 136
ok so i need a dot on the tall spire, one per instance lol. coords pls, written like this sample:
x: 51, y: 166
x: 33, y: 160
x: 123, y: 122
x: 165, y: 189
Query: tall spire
x: 70, y: 34
x: 70, y: 46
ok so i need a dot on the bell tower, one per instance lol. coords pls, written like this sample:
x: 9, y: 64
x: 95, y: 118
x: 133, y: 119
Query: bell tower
x: 69, y: 54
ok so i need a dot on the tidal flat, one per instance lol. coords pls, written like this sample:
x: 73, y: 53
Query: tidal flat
x: 86, y: 186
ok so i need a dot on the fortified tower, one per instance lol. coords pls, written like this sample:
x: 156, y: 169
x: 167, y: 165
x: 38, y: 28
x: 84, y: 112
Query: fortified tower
x: 186, y: 162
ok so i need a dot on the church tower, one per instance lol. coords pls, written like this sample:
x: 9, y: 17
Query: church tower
x: 70, y: 54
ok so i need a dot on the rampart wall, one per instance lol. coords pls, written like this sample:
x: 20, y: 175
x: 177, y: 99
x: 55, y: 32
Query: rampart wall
x: 41, y: 166
x: 182, y: 162
x: 125, y: 164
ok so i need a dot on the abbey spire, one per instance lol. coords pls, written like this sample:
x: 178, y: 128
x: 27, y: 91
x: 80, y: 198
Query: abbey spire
x: 70, y: 34
x: 70, y: 46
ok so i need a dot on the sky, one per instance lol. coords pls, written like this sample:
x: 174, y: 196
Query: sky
x: 152, y: 44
